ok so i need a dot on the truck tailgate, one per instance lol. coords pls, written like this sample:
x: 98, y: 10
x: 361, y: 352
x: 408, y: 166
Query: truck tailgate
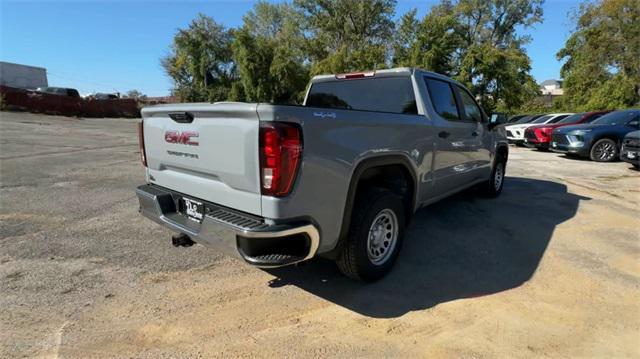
x: 214, y: 157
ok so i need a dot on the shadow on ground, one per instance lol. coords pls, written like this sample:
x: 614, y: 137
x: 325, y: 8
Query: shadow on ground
x: 574, y: 157
x: 461, y: 247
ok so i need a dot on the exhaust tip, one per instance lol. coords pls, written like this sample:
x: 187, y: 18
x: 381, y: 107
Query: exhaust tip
x: 181, y: 240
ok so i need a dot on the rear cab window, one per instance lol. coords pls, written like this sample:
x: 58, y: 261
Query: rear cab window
x: 382, y: 94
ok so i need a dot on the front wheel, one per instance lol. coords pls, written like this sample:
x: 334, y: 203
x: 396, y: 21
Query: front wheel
x: 375, y: 236
x: 493, y: 186
x: 604, y: 150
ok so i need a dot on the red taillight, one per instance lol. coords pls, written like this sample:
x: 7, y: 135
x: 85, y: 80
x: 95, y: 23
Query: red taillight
x: 143, y: 155
x: 280, y: 151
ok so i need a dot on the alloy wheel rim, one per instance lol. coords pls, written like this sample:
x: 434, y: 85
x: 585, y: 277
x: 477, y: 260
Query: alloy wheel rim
x: 498, y: 177
x: 382, y: 237
x: 605, y: 151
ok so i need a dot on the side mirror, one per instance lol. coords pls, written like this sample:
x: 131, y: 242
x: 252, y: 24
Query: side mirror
x: 497, y: 119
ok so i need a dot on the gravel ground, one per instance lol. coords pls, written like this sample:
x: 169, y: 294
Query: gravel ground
x: 550, y: 268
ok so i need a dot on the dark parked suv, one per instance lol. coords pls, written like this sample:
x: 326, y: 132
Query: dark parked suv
x: 62, y: 91
x: 599, y: 140
x: 630, y: 151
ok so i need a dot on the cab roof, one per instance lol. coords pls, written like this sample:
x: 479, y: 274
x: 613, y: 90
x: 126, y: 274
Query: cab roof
x: 394, y: 72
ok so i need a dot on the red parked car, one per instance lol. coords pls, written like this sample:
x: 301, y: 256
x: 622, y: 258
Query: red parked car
x: 539, y: 136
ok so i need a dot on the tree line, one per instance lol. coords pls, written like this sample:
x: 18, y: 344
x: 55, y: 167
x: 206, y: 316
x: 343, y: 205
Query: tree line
x: 278, y: 47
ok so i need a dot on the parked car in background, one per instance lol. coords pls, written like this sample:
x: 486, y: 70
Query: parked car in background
x: 515, y: 118
x: 599, y: 140
x: 523, y: 119
x: 498, y: 118
x: 62, y: 91
x: 515, y: 132
x: 539, y: 136
x: 104, y: 96
x: 630, y: 151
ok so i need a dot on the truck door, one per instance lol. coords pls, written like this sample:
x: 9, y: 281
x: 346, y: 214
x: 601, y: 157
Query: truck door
x: 456, y: 138
x: 479, y: 145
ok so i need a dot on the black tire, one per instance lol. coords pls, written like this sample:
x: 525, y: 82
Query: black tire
x: 353, y: 258
x: 604, y: 150
x: 491, y: 188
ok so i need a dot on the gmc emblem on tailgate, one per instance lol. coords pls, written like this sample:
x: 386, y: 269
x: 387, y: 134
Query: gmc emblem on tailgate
x: 183, y: 138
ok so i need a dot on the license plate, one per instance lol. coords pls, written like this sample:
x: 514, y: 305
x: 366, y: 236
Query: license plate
x: 193, y: 209
x: 632, y: 155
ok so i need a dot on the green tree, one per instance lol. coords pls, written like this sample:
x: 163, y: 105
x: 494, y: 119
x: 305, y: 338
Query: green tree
x: 136, y: 95
x: 268, y: 49
x: 347, y: 35
x: 475, y: 41
x: 493, y: 61
x: 431, y: 44
x: 200, y: 61
x: 602, y: 57
x: 405, y: 39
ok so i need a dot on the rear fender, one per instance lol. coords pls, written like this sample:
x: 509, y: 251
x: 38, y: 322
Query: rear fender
x: 360, y: 169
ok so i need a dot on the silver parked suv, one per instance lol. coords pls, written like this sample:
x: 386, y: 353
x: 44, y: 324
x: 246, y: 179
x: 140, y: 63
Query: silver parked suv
x: 339, y: 176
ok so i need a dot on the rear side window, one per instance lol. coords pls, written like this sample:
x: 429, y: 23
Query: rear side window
x: 542, y: 119
x: 383, y: 94
x: 594, y: 117
x: 471, y: 109
x: 573, y: 118
x: 558, y: 118
x: 443, y: 100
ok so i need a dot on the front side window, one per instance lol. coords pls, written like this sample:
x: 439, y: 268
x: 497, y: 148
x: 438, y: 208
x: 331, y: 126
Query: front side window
x: 443, y: 99
x: 471, y: 109
x: 383, y: 94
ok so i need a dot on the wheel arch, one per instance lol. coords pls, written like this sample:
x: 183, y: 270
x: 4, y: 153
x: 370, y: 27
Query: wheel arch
x: 609, y: 136
x: 502, y: 149
x: 605, y: 136
x: 372, y: 168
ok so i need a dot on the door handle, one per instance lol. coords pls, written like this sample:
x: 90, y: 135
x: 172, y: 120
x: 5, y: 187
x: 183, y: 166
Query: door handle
x: 182, y: 117
x: 443, y: 134
x: 474, y: 134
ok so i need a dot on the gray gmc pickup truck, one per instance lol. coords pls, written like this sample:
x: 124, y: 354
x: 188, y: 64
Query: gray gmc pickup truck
x: 338, y: 177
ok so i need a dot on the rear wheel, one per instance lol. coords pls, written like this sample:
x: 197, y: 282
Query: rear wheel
x: 375, y: 236
x: 604, y: 150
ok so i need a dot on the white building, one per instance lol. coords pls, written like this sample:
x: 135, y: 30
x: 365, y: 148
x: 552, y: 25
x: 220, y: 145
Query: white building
x: 22, y: 76
x: 552, y: 87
